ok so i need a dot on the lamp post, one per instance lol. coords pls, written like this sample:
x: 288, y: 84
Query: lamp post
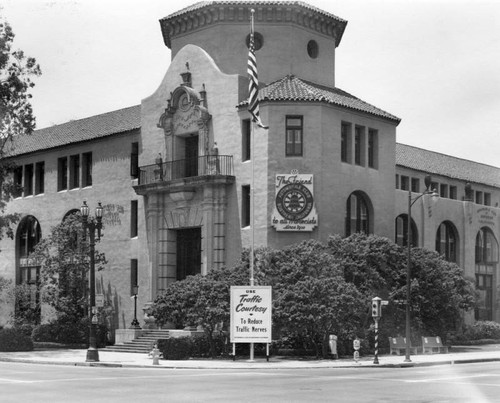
x: 411, y: 202
x: 91, y: 226
x: 135, y: 322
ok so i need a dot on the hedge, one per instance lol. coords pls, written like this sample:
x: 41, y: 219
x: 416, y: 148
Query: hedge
x: 14, y: 340
x: 68, y: 333
x: 182, y: 348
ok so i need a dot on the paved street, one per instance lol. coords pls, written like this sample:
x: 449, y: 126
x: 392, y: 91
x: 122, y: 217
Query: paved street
x: 479, y: 382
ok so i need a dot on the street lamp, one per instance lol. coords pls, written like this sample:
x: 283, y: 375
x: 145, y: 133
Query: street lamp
x: 411, y: 202
x: 91, y: 226
x: 135, y: 322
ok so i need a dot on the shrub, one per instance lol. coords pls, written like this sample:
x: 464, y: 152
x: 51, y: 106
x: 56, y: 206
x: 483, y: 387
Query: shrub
x: 176, y: 348
x: 482, y: 330
x: 25, y: 328
x: 201, y: 346
x: 69, y: 333
x: 13, y: 340
x: 44, y: 332
x: 182, y: 348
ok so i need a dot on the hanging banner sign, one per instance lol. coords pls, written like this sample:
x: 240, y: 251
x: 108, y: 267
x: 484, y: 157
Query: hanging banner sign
x: 294, y: 208
x: 251, y: 308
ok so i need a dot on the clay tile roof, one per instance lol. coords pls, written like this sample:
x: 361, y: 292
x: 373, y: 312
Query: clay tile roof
x: 441, y: 164
x: 203, y: 4
x: 75, y: 131
x: 291, y: 88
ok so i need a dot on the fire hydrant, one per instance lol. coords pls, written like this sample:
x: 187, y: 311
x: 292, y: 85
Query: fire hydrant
x: 155, y: 353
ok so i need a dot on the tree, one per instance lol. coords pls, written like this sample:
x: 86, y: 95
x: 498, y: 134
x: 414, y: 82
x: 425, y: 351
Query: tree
x: 440, y: 293
x: 27, y: 307
x: 311, y: 299
x: 173, y: 306
x: 16, y: 114
x: 198, y: 301
x: 314, y: 308
x: 63, y: 257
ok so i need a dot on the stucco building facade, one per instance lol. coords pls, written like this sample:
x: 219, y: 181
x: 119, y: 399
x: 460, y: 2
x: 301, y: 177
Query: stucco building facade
x: 177, y: 173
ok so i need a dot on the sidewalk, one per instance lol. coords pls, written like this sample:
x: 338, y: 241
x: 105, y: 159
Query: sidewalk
x: 457, y: 355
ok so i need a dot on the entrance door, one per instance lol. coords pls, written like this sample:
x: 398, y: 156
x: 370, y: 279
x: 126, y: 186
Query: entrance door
x: 188, y: 252
x: 191, y: 156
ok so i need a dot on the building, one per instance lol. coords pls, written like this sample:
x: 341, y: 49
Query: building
x: 177, y: 173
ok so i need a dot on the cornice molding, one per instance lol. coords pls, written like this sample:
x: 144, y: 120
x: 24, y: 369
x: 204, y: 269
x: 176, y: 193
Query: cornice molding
x: 202, y: 15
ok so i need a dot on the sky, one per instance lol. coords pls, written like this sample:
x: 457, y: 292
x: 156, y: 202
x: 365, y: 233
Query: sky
x: 433, y: 63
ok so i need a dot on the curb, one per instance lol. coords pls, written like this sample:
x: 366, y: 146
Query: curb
x: 258, y: 367
x: 430, y: 364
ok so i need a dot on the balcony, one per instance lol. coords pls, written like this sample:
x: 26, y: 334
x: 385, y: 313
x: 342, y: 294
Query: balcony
x: 188, y: 171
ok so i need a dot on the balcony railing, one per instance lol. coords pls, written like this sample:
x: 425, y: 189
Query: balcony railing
x: 211, y: 165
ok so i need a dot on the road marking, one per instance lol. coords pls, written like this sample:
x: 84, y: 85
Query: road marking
x: 6, y: 380
x: 165, y: 375
x: 450, y: 378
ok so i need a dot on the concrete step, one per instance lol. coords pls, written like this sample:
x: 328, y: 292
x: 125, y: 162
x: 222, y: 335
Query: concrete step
x: 142, y: 344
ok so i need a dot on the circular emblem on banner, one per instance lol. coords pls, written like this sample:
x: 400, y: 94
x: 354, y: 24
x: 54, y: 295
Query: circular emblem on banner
x: 294, y: 201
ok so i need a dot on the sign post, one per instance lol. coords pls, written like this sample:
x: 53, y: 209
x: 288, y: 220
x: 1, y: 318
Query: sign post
x: 376, y: 314
x: 251, y: 308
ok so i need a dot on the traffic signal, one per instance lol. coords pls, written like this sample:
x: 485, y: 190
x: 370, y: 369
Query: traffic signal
x: 376, y: 307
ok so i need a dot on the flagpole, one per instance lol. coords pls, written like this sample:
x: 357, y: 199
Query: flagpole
x: 253, y: 108
x: 252, y: 197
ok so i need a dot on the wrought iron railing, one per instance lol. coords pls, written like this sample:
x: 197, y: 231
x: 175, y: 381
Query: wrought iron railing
x: 211, y: 165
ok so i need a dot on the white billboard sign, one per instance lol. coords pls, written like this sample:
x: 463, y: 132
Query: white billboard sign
x: 251, y: 308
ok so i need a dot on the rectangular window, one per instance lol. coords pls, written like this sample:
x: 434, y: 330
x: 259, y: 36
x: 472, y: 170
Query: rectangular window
x: 39, y: 177
x: 245, y: 205
x: 18, y: 181
x: 359, y: 147
x: 294, y: 136
x: 133, y: 218
x: 87, y: 169
x: 487, y: 199
x: 246, y: 140
x: 345, y: 142
x: 134, y: 161
x: 28, y: 180
x: 134, y: 275
x: 434, y: 187
x: 62, y: 173
x: 443, y: 190
x: 415, y: 185
x: 405, y: 182
x: 372, y: 148
x: 453, y: 192
x: 397, y: 181
x: 74, y: 171
x: 479, y: 197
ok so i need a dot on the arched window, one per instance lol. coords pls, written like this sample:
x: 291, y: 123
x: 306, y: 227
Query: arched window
x: 358, y: 214
x: 401, y: 230
x: 486, y: 247
x: 28, y: 273
x: 447, y: 241
x: 486, y: 262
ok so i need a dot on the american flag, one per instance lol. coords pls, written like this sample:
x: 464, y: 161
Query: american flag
x: 253, y: 83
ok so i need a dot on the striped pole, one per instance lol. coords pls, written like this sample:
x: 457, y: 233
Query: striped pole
x: 375, y: 361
